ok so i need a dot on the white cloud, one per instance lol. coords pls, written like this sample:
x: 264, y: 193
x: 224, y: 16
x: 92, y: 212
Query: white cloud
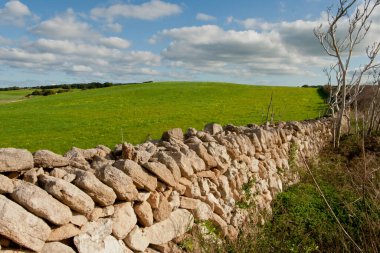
x: 204, y: 17
x: 14, y: 13
x: 115, y: 42
x: 65, y: 26
x: 147, y: 11
x: 81, y: 68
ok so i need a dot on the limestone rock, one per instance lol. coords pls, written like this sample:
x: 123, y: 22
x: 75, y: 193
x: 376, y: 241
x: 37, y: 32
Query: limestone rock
x: 99, y: 192
x: 175, y: 133
x: 118, y: 181
x: 163, y: 210
x: 178, y: 223
x: 31, y: 175
x: 6, y: 185
x: 21, y: 226
x: 202, y: 153
x: 78, y: 219
x: 144, y: 213
x: 56, y: 247
x: 12, y: 159
x: 124, y: 219
x: 183, y: 163
x: 213, y: 128
x: 48, y: 159
x: 161, y: 172
x: 96, y: 238
x: 101, y: 213
x: 189, y: 203
x: 137, y: 239
x: 40, y: 203
x: 63, y: 232
x: 68, y: 194
x: 138, y: 174
x: 170, y: 164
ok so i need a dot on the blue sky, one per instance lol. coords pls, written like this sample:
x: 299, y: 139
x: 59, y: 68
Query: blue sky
x: 245, y: 41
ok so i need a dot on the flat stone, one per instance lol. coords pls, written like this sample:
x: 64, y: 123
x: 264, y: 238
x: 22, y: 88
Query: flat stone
x: 6, y: 185
x: 48, y: 159
x: 202, y: 153
x: 56, y: 247
x: 213, y: 128
x: 12, y: 159
x: 144, y: 213
x: 137, y: 240
x: 161, y: 172
x: 124, y: 219
x: 189, y: 203
x: 21, y: 226
x: 183, y: 163
x: 141, y: 178
x: 63, y: 232
x: 78, y: 219
x: 40, y: 203
x: 99, y: 192
x: 178, y: 223
x: 118, y: 181
x: 68, y: 194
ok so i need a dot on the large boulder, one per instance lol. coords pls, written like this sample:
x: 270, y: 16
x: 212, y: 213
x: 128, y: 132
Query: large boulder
x: 40, y: 203
x: 118, y: 181
x: 12, y: 159
x: 48, y: 159
x: 178, y: 223
x: 22, y: 227
x: 68, y: 194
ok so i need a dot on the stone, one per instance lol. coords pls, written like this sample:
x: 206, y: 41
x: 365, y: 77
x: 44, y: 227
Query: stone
x: 95, y: 237
x: 31, y: 175
x: 163, y: 210
x: 183, y: 163
x: 144, y: 213
x: 40, y: 203
x: 178, y: 223
x: 137, y: 239
x: 175, y: 133
x: 202, y: 153
x: 68, y: 194
x: 99, y: 192
x: 202, y: 212
x: 101, y: 213
x: 154, y: 199
x: 48, y: 159
x: 189, y: 203
x: 6, y: 185
x: 12, y: 159
x: 141, y: 178
x: 63, y: 232
x: 56, y: 247
x: 161, y: 172
x: 170, y: 163
x: 21, y: 226
x: 213, y: 128
x: 124, y: 219
x: 78, y: 219
x: 143, y: 196
x: 118, y: 181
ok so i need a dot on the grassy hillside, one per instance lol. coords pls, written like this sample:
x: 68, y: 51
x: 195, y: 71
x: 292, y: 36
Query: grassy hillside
x: 136, y: 112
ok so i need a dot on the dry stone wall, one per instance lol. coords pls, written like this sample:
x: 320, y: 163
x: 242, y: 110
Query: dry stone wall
x: 145, y: 198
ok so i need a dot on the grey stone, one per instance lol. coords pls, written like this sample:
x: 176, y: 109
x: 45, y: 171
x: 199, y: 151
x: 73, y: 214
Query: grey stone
x: 12, y: 159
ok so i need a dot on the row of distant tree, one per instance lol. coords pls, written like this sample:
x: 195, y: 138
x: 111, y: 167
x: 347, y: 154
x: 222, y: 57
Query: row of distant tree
x: 82, y: 86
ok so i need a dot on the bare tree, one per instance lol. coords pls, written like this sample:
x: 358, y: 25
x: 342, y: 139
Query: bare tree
x: 345, y: 29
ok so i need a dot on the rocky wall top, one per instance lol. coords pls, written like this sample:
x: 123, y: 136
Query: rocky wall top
x: 145, y: 198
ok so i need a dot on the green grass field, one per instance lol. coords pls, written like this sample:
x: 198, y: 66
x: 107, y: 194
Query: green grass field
x: 136, y: 112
